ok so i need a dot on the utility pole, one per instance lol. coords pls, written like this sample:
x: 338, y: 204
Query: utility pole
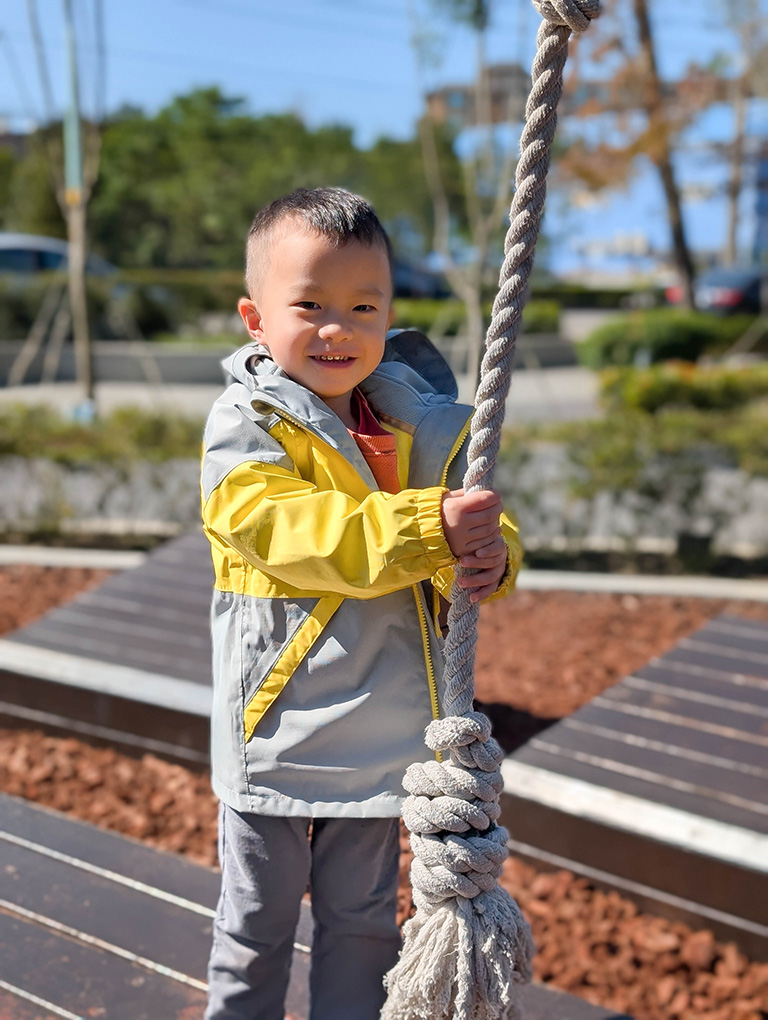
x: 75, y: 207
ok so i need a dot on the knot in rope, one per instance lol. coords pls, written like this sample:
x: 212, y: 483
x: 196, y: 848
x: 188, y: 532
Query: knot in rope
x: 457, y: 730
x: 573, y: 14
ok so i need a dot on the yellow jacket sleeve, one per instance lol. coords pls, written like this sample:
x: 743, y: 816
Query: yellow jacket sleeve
x: 325, y: 540
x: 443, y: 578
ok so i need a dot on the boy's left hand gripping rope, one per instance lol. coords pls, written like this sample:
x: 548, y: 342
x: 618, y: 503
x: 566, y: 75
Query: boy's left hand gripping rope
x: 468, y: 947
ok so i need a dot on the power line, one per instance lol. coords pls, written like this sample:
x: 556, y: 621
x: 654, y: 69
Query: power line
x: 101, y: 59
x: 282, y: 71
x: 42, y: 63
x: 322, y: 24
x: 18, y: 77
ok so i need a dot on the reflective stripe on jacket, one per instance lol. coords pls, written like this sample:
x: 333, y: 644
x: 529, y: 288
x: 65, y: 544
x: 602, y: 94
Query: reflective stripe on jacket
x: 319, y: 597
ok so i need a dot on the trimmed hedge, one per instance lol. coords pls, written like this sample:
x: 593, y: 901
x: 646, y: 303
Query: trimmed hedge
x: 682, y: 384
x: 128, y: 434
x: 447, y: 317
x: 660, y: 334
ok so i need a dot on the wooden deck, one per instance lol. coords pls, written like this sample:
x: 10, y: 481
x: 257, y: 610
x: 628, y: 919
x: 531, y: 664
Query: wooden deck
x: 92, y: 924
x: 93, y: 666
x: 657, y: 787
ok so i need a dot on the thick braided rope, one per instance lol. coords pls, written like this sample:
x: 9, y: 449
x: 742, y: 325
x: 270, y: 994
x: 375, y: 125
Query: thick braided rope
x: 460, y: 794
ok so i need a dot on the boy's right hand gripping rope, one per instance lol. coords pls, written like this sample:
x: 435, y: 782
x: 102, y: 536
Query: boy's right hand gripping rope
x: 468, y: 947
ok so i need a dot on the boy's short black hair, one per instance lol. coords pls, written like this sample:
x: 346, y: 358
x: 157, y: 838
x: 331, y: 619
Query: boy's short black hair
x: 339, y: 215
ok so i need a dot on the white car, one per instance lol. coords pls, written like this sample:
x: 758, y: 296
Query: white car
x: 33, y: 253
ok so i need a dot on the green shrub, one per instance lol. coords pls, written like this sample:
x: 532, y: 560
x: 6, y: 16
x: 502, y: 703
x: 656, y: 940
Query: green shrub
x: 128, y: 434
x: 575, y: 295
x: 682, y: 384
x: 541, y: 316
x: 430, y: 316
x: 447, y: 317
x: 660, y: 334
x: 612, y: 453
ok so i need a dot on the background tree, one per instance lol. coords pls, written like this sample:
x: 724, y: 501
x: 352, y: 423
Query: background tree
x: 749, y: 79
x: 641, y: 116
x: 470, y: 222
x: 179, y: 188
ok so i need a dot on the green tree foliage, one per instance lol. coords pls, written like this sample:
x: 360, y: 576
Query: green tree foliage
x: 6, y: 175
x: 395, y: 183
x: 30, y: 202
x: 180, y: 187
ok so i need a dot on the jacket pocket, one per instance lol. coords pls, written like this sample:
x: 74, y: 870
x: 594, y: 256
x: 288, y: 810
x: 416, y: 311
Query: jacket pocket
x: 293, y: 627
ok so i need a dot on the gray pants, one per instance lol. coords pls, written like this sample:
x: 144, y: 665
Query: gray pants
x: 350, y: 866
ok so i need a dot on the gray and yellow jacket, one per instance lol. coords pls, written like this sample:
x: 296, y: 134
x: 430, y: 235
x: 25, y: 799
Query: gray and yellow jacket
x: 326, y: 662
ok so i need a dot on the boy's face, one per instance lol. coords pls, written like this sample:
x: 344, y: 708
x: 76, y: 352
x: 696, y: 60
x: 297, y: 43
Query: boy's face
x: 322, y: 311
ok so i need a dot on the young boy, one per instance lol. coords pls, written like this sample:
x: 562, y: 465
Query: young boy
x: 331, y: 500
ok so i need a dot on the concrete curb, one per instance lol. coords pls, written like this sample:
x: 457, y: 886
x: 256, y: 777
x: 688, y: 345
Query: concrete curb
x: 645, y: 584
x: 530, y: 580
x: 55, y: 556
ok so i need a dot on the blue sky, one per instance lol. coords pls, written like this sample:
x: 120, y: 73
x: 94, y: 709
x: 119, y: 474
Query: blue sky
x: 348, y: 61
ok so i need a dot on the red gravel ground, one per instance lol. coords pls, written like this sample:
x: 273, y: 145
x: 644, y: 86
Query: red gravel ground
x: 540, y: 656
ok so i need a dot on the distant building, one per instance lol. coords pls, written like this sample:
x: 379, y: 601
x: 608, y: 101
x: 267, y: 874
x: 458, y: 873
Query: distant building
x: 457, y: 104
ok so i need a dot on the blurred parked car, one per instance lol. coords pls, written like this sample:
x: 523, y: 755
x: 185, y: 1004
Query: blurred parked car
x: 725, y: 290
x: 119, y: 309
x: 418, y: 281
x: 34, y: 253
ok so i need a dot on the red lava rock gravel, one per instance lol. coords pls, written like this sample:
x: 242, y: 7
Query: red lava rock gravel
x: 541, y: 656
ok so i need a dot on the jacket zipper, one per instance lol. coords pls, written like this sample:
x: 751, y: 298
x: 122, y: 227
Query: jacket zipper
x: 455, y: 449
x: 431, y: 681
x: 417, y: 593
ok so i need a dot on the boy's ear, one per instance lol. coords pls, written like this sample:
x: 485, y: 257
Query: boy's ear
x: 251, y: 316
x: 390, y: 316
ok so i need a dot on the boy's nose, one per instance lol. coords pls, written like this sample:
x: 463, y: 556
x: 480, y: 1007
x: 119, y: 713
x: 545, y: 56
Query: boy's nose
x: 334, y: 330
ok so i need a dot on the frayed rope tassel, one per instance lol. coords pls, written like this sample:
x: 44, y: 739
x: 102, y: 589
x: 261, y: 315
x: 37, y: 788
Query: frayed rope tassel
x: 468, y: 947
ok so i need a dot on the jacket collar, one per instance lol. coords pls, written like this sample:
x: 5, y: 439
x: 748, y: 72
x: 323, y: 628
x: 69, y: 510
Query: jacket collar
x: 403, y: 394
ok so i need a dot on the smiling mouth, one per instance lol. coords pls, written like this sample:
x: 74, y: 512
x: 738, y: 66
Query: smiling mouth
x: 331, y: 357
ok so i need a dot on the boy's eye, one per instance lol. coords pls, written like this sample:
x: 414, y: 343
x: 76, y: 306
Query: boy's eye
x: 364, y: 308
x: 309, y: 305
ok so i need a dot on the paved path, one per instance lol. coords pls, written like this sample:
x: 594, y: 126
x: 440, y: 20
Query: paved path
x: 552, y: 394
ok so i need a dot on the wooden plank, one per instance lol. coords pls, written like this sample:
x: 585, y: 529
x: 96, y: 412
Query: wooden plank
x: 733, y: 635
x: 655, y: 788
x: 742, y: 622
x: 101, y: 848
x: 742, y: 725
x: 684, y: 736
x: 87, y: 981
x: 170, y: 661
x: 718, y: 779
x: 134, y: 918
x: 130, y: 606
x: 114, y: 629
x: 140, y: 584
x: 704, y: 653
x: 732, y: 688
